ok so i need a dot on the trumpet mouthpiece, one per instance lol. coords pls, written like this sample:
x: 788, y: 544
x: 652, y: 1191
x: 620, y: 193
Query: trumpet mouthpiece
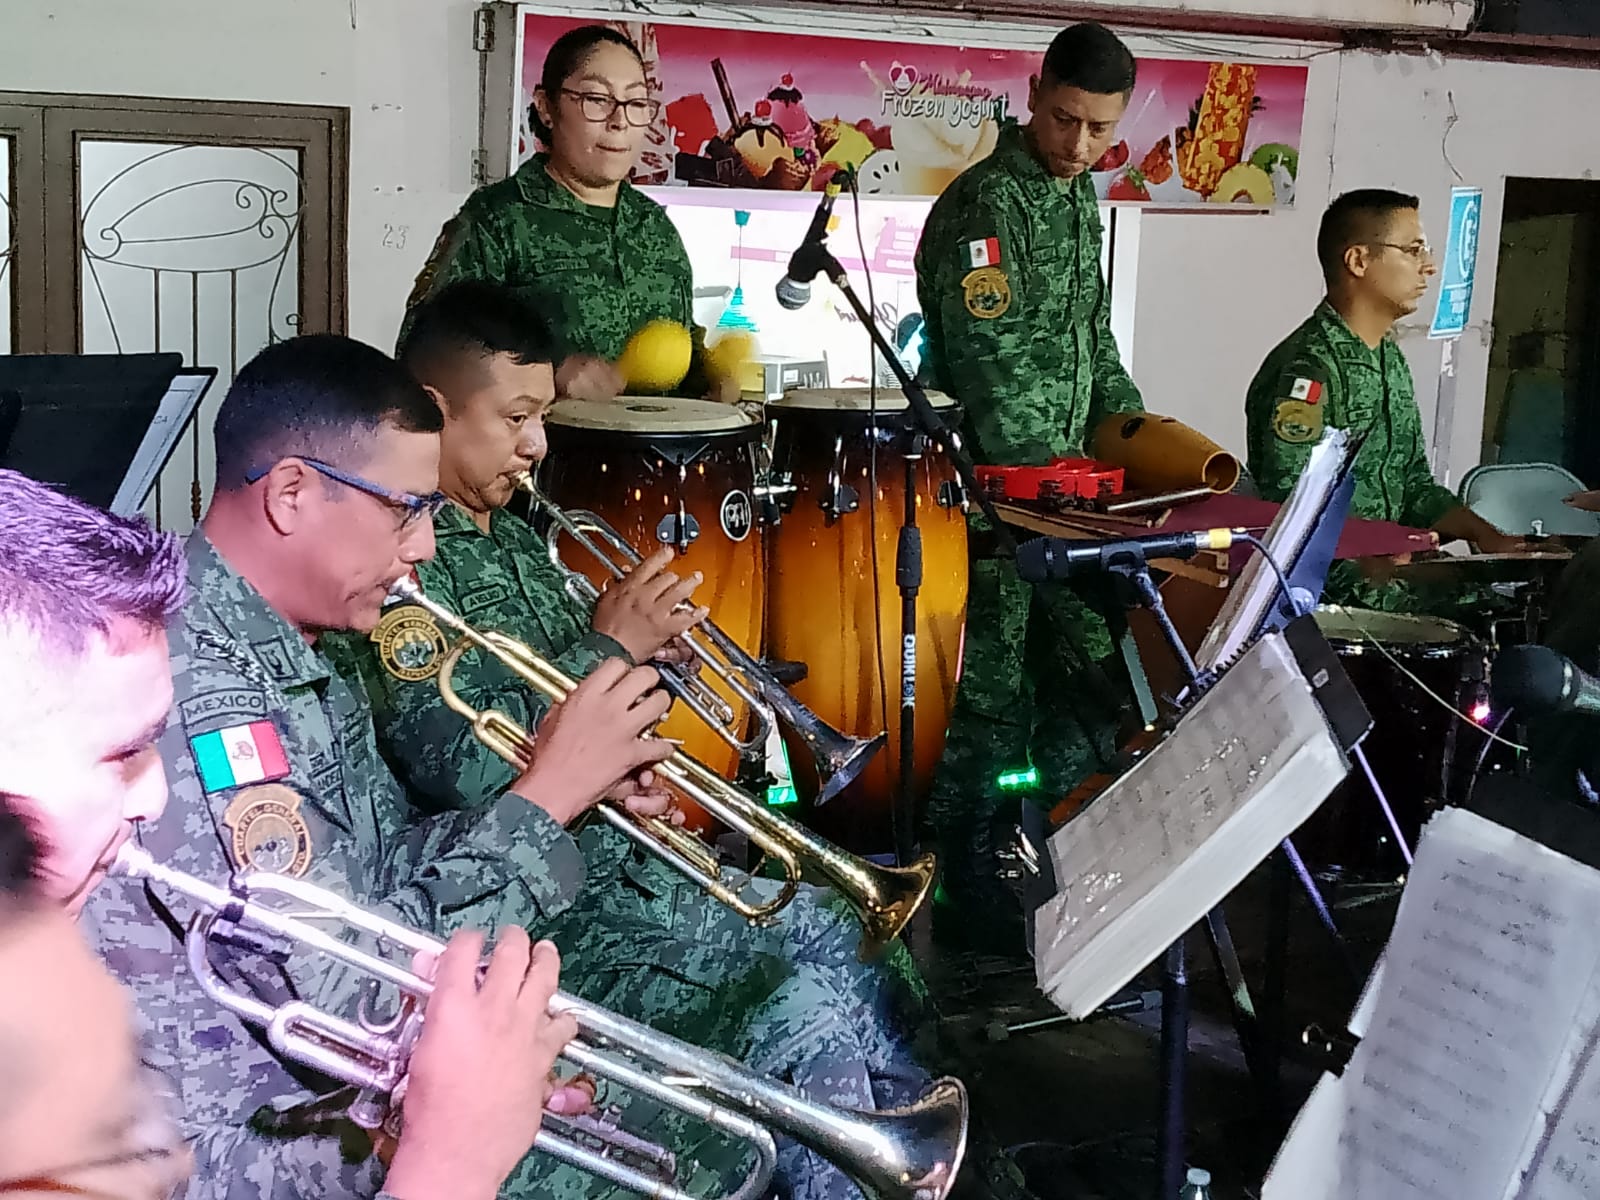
x: 404, y: 588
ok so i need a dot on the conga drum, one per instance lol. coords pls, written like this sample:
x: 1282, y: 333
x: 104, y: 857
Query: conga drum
x: 679, y: 473
x: 832, y: 602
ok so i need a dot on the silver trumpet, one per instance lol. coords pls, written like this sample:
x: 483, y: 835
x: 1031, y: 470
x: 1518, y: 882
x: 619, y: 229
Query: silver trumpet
x: 839, y: 758
x: 910, y: 1153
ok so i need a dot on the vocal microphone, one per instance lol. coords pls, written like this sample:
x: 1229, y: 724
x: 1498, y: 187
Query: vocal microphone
x: 794, y: 289
x: 1049, y: 558
x: 1537, y: 679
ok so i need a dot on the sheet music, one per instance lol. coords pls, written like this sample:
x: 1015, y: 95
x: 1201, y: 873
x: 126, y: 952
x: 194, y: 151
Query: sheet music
x: 1167, y: 841
x: 178, y: 406
x: 1488, y: 983
x: 1251, y: 598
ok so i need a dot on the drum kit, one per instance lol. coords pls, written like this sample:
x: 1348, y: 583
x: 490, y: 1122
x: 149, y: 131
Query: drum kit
x: 791, y: 510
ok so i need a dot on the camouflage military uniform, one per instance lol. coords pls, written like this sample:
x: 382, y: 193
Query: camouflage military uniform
x: 1018, y: 329
x: 255, y: 703
x: 1323, y: 375
x: 790, y: 1000
x: 597, y: 274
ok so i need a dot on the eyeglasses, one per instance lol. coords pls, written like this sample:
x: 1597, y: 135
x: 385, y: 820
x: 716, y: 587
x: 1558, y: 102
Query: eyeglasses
x: 1416, y: 250
x: 598, y: 107
x: 412, y: 507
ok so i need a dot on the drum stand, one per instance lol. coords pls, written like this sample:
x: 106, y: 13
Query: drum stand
x: 813, y: 258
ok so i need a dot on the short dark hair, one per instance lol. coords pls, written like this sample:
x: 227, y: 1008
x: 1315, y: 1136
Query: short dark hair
x: 68, y: 569
x: 569, y: 52
x: 1357, y: 218
x: 317, y: 396
x: 1091, y: 58
x: 21, y: 853
x: 478, y: 319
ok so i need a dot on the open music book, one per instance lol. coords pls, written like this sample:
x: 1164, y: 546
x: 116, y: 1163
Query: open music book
x: 1476, y: 1076
x: 1166, y: 842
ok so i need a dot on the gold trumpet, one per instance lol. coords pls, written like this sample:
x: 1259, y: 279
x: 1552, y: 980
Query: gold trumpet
x: 910, y: 1153
x: 838, y: 757
x: 884, y: 898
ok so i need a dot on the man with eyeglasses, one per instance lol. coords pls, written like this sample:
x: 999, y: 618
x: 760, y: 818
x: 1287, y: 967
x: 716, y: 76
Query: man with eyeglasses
x: 568, y: 232
x: 1343, y: 368
x: 327, y: 457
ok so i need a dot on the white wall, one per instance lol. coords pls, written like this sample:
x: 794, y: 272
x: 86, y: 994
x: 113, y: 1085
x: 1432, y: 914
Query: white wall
x: 1215, y: 291
x: 406, y: 71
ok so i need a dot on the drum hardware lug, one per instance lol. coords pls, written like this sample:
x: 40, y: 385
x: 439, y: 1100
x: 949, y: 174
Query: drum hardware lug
x: 841, y: 499
x: 678, y: 529
x: 952, y: 494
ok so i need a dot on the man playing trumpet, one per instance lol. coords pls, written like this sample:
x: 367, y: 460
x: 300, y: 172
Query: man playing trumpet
x: 791, y: 999
x: 84, y: 598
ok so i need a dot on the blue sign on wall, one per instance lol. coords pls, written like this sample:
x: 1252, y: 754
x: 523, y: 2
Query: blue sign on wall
x: 1459, y: 264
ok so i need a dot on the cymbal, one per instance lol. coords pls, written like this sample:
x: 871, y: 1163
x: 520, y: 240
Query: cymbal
x: 1521, y: 567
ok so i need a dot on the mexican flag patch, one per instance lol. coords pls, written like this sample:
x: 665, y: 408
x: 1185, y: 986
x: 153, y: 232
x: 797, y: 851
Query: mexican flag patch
x: 983, y: 253
x: 238, y: 755
x: 1308, y: 390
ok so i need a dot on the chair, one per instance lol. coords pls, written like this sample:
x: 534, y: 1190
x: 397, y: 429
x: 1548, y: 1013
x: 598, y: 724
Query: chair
x: 1513, y: 496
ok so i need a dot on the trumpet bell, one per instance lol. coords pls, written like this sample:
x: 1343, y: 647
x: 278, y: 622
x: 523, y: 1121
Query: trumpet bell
x: 919, y: 1148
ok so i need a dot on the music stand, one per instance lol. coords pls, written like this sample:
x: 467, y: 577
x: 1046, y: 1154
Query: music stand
x: 100, y: 427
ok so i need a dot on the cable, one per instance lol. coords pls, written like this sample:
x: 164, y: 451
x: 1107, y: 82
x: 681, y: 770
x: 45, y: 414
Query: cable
x: 872, y: 459
x: 1283, y: 581
x: 1367, y: 637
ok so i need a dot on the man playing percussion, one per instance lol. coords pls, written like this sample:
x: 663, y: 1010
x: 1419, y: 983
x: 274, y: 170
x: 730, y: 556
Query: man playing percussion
x: 1018, y: 331
x: 790, y: 1000
x: 327, y: 459
x: 1343, y: 368
x: 83, y: 601
x: 568, y: 231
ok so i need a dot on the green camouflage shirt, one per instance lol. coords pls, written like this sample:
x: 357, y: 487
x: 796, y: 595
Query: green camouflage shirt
x: 597, y: 274
x: 503, y: 581
x: 1322, y: 374
x: 309, y: 796
x: 1018, y: 316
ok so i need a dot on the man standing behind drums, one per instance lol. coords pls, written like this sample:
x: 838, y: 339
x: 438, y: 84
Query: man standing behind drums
x: 1343, y: 368
x: 790, y: 1000
x: 327, y: 465
x: 570, y: 235
x: 1019, y: 332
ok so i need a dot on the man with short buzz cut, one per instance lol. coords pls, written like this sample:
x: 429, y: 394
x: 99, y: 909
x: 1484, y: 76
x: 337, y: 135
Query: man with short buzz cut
x: 1019, y: 331
x: 1342, y: 368
x: 327, y: 476
x: 84, y: 596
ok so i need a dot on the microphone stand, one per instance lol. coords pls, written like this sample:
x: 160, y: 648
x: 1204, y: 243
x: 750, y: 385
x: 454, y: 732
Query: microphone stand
x: 813, y: 258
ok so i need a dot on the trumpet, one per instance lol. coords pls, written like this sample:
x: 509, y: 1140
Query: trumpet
x: 838, y: 757
x: 884, y: 898
x: 910, y: 1153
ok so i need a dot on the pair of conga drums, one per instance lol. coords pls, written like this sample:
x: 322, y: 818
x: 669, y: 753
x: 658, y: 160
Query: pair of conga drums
x: 816, y: 586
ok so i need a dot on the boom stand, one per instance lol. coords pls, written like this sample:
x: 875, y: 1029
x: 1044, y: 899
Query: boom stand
x: 813, y: 259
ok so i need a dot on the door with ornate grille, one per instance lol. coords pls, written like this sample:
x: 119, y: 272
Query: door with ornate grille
x: 130, y: 225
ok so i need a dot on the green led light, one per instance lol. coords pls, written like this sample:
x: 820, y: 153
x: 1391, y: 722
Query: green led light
x: 1018, y: 779
x: 781, y: 797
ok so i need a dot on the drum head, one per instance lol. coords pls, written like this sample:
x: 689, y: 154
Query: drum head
x: 1397, y: 631
x: 650, y: 415
x: 852, y: 400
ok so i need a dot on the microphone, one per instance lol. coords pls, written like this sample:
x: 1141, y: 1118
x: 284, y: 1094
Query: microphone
x: 1049, y: 558
x: 794, y: 289
x: 1537, y: 679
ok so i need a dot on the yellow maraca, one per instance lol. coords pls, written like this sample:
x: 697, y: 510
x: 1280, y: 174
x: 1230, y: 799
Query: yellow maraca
x: 656, y: 358
x: 730, y: 356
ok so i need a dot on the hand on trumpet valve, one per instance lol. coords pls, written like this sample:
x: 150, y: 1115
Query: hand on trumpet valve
x: 648, y: 607
x: 678, y: 653
x: 643, y: 796
x: 591, y: 742
x: 481, y: 1073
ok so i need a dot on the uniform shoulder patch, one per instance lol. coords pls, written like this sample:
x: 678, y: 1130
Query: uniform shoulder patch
x: 443, y: 248
x: 239, y: 754
x: 267, y: 831
x: 410, y: 643
x: 987, y: 293
x: 1297, y: 422
x: 1308, y: 391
